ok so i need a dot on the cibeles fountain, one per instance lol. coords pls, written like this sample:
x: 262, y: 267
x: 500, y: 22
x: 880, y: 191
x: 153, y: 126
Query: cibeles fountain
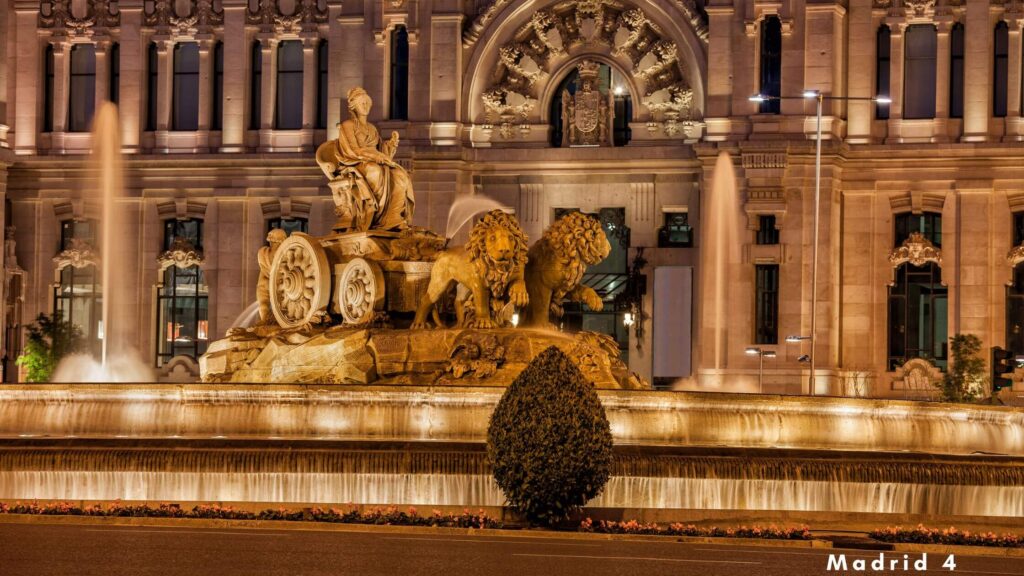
x: 380, y: 350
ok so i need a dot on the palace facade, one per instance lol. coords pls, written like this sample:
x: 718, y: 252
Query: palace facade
x: 637, y: 111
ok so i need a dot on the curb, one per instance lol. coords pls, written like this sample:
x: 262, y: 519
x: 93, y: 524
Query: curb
x: 960, y: 550
x: 305, y: 526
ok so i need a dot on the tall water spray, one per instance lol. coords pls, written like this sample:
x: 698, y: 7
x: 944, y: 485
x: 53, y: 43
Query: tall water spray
x: 722, y: 215
x: 118, y: 361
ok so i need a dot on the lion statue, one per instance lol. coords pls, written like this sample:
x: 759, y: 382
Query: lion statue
x: 555, y: 266
x: 489, y: 268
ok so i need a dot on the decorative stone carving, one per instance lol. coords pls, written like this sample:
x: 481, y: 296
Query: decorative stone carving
x: 1015, y: 256
x: 479, y: 354
x: 587, y: 114
x: 79, y: 254
x: 916, y: 250
x: 617, y: 29
x: 489, y: 10
x: 300, y: 282
x: 181, y: 254
x: 57, y: 15
x: 370, y: 189
x: 360, y: 292
x: 270, y: 17
x: 11, y: 267
x: 202, y: 16
x: 764, y: 160
x: 490, y: 268
x: 919, y: 8
x: 265, y: 258
x: 555, y: 267
x: 917, y: 375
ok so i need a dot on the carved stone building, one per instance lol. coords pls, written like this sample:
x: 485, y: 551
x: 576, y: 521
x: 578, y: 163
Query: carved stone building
x: 223, y: 102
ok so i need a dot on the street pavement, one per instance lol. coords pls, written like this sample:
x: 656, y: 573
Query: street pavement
x: 109, y: 550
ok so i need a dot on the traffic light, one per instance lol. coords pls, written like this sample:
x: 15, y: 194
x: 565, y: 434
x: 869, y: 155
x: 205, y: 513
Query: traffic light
x: 1003, y: 365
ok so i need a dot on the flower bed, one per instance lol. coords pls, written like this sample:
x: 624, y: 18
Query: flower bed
x: 772, y: 532
x: 349, y: 515
x: 924, y: 535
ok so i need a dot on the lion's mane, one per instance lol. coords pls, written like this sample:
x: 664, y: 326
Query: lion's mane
x: 564, y: 239
x: 497, y: 274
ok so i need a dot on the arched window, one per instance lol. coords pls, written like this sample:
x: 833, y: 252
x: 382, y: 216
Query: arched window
x: 1000, y: 73
x: 610, y: 84
x: 185, y: 114
x: 883, y: 71
x: 114, y: 91
x: 918, y: 315
x: 771, y: 64
x: 321, y: 85
x: 288, y: 115
x: 217, y: 117
x: 152, y: 71
x: 919, y: 72
x: 48, y: 90
x: 399, y: 101
x: 182, y: 300
x: 78, y: 297
x: 255, y: 86
x: 956, y: 71
x: 82, y: 87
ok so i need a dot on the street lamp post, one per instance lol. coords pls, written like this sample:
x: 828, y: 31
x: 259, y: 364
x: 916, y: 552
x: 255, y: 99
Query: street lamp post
x: 819, y: 98
x: 761, y: 355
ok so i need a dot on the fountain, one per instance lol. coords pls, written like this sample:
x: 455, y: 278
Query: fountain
x: 118, y: 361
x: 368, y: 369
x: 723, y: 250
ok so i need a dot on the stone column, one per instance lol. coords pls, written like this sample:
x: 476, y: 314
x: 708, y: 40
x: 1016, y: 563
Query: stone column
x: 133, y: 57
x: 237, y: 68
x: 102, y: 71
x: 896, y: 30
x: 164, y: 82
x: 61, y: 79
x: 268, y: 100
x: 977, y: 72
x: 4, y: 122
x: 205, y: 92
x: 942, y: 55
x: 350, y: 58
x: 720, y: 73
x: 862, y: 42
x: 445, y: 78
x: 309, y: 86
x: 27, y: 78
x: 1013, y: 104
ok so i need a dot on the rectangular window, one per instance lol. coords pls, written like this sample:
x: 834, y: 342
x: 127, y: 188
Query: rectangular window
x: 189, y: 229
x: 771, y: 64
x: 676, y: 232
x: 1018, y: 228
x: 80, y: 230
x: 919, y: 75
x: 48, y: 90
x: 767, y: 304
x: 956, y: 71
x: 883, y: 70
x: 928, y: 224
x: 255, y: 86
x: 185, y: 114
x: 288, y: 115
x: 399, y: 103
x: 182, y: 303
x: 114, y: 93
x: 217, y: 118
x: 289, y: 225
x: 767, y: 233
x: 1000, y: 74
x: 152, y: 89
x: 321, y: 85
x: 82, y: 87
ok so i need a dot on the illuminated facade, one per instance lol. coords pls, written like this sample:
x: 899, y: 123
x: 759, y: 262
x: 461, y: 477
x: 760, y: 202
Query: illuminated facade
x: 222, y: 104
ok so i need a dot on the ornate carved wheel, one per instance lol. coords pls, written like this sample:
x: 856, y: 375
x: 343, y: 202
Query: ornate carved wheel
x: 300, y: 280
x: 360, y: 291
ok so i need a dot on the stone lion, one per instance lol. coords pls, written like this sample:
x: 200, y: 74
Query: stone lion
x: 556, y: 264
x: 489, y: 267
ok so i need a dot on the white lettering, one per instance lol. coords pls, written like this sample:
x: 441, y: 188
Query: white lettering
x: 860, y: 564
x: 879, y: 564
x: 836, y: 562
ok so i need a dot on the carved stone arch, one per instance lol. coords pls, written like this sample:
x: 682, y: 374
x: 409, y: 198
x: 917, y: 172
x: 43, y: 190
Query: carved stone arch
x: 566, y: 67
x: 510, y: 27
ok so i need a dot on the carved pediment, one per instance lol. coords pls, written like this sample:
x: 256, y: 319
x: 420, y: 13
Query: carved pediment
x: 182, y: 254
x: 202, y: 16
x: 57, y: 15
x: 916, y: 250
x: 78, y: 254
x: 269, y: 16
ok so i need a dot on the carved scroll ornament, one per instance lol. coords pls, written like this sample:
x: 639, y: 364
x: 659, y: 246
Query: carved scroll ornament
x: 916, y: 250
x: 79, y: 254
x: 182, y: 254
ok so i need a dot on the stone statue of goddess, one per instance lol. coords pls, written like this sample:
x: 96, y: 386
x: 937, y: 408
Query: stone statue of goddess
x: 377, y: 192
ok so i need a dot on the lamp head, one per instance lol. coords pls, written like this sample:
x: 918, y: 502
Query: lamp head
x: 753, y: 351
x: 811, y: 93
x: 758, y: 98
x: 804, y: 358
x: 883, y: 100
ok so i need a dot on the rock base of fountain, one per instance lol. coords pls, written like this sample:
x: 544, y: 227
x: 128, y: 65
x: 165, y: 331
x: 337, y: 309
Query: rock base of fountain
x: 446, y: 357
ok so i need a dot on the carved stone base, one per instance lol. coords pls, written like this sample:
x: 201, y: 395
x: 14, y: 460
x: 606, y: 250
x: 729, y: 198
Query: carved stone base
x: 452, y: 357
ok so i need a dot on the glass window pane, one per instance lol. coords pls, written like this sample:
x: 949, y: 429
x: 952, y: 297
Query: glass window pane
x: 82, y: 87
x: 771, y: 63
x: 289, y: 85
x: 185, y: 115
x: 919, y: 78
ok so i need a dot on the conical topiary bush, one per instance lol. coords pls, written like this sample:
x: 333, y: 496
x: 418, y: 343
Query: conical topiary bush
x: 549, y: 441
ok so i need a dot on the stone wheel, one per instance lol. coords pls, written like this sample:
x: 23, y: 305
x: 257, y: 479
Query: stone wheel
x: 300, y: 281
x: 360, y: 291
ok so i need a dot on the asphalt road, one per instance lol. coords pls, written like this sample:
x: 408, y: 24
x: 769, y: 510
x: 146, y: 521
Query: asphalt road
x: 85, y: 550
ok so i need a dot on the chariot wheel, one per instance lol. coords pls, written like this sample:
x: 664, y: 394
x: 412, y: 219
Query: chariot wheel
x: 360, y: 291
x: 300, y: 280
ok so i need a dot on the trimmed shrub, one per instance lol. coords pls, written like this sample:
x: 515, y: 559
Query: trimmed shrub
x: 549, y: 441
